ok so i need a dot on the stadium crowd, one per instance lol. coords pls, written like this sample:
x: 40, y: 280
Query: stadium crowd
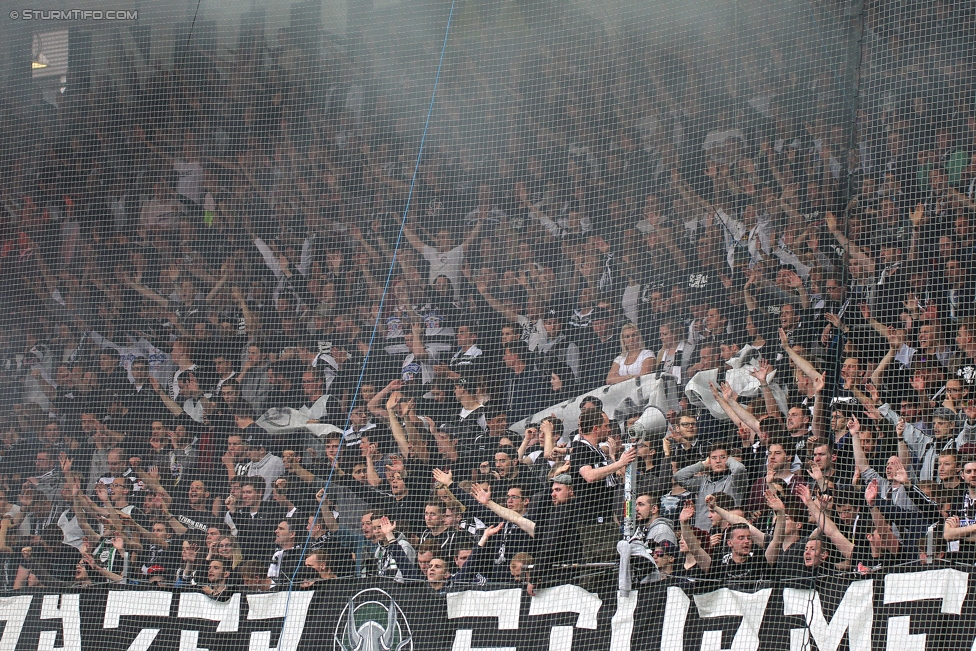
x: 195, y: 395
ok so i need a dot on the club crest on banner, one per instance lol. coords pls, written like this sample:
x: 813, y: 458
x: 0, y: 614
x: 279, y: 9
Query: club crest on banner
x: 372, y: 621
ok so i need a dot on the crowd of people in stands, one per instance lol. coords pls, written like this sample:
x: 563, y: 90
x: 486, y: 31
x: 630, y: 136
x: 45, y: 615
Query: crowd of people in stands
x: 216, y: 373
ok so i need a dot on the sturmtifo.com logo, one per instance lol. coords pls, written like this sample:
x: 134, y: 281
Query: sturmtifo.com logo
x: 372, y: 621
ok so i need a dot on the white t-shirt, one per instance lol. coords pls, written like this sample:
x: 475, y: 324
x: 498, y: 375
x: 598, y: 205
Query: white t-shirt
x: 635, y: 368
x: 190, y: 181
x: 447, y: 264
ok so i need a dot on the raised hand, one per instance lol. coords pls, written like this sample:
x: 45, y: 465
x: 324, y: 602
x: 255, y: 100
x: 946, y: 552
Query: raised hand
x: 491, y: 531
x: 871, y: 492
x: 715, y: 391
x: 820, y: 382
x: 443, y: 477
x: 481, y: 494
x: 803, y: 493
x: 387, y: 527
x: 727, y: 391
x: 918, y: 215
x: 547, y: 428
x: 814, y: 471
x: 393, y: 400
x: 853, y: 425
x: 687, y: 513
x: 774, y: 502
x: 761, y: 373
x: 872, y: 412
x: 784, y: 339
x: 831, y: 221
x: 899, y: 473
x: 873, y: 392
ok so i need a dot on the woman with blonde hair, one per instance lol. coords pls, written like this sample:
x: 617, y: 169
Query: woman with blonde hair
x: 228, y: 549
x: 634, y: 361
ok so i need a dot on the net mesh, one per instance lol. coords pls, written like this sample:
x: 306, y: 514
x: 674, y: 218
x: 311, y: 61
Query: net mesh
x: 488, y: 325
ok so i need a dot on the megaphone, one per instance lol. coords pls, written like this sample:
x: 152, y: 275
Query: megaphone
x: 651, y: 424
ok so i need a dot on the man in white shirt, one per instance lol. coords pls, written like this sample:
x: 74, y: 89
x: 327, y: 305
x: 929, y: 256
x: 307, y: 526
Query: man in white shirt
x: 445, y: 258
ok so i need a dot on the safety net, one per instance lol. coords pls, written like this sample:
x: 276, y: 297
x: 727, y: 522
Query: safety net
x: 488, y: 325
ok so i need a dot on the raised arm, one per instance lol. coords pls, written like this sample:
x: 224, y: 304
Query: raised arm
x: 484, y: 498
x: 171, y: 404
x: 860, y: 459
x: 473, y: 235
x: 502, y: 308
x: 775, y: 546
x: 801, y: 363
x: 412, y: 238
x: 843, y: 545
x: 852, y: 248
x: 702, y: 557
x: 884, y: 535
x: 758, y: 537
x: 377, y: 405
x: 252, y: 324
x: 894, y: 345
x: 143, y: 291
x: 399, y: 435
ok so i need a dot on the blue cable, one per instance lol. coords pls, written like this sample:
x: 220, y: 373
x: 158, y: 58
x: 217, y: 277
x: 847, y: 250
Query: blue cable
x: 386, y: 288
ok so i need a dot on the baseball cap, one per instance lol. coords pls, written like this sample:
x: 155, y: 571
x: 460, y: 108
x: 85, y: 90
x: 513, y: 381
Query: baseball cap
x: 256, y: 437
x: 564, y: 479
x: 667, y: 547
x: 154, y: 570
x: 944, y: 413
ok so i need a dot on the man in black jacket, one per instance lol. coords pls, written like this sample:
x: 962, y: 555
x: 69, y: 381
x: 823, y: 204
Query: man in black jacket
x: 254, y: 520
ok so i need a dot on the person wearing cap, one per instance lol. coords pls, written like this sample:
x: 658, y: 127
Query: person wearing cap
x: 898, y: 485
x: 462, y: 439
x: 262, y: 463
x: 663, y: 555
x: 925, y: 447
